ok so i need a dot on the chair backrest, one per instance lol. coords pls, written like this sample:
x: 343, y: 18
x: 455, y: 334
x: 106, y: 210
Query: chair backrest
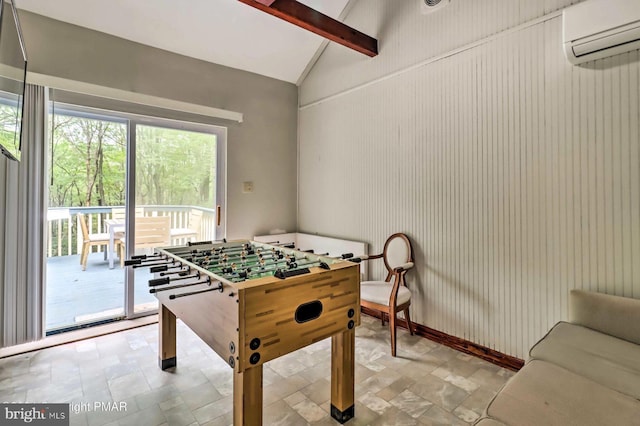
x: 153, y: 231
x: 195, y: 217
x: 397, y: 251
x: 119, y: 212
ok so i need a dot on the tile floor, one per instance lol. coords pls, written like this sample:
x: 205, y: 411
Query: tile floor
x: 427, y: 384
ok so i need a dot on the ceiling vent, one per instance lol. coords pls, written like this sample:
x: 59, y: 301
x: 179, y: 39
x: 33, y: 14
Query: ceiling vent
x: 430, y: 6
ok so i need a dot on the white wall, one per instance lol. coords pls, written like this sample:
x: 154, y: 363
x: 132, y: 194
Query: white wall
x: 261, y: 149
x: 516, y: 175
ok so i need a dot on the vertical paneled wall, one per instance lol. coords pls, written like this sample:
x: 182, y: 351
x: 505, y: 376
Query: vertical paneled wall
x: 516, y: 175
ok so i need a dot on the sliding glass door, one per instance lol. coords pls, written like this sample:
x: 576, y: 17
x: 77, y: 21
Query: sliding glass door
x: 112, y: 177
x: 177, y: 173
x: 87, y: 186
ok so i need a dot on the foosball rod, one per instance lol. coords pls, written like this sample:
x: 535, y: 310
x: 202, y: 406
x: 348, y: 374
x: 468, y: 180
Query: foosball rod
x: 248, y: 259
x: 246, y: 269
x: 255, y: 263
x: 238, y: 253
x: 251, y: 247
x: 243, y: 256
x: 177, y: 286
x: 234, y: 255
x: 231, y: 271
x: 242, y: 276
x: 207, y: 254
x: 148, y: 263
x: 358, y: 258
x: 251, y: 251
x: 163, y: 270
x: 289, y: 261
x: 290, y: 245
x: 166, y: 280
x: 200, y: 243
x: 191, y: 293
x: 147, y: 256
x: 212, y: 249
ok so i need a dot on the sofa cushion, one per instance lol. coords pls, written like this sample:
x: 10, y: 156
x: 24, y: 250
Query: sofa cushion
x: 612, y: 362
x: 546, y: 394
x: 613, y: 315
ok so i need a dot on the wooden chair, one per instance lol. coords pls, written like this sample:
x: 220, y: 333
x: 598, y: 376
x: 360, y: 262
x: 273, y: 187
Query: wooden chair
x: 89, y: 240
x: 151, y: 232
x: 119, y: 213
x: 391, y: 295
x: 193, y: 226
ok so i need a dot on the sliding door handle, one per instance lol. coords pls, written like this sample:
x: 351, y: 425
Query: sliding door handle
x: 218, y: 215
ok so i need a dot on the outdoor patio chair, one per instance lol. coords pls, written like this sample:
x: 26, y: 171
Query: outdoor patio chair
x: 193, y: 227
x: 151, y: 232
x: 89, y: 240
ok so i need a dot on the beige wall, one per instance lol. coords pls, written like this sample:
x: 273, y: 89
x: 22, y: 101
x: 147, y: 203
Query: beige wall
x: 516, y: 174
x: 261, y: 149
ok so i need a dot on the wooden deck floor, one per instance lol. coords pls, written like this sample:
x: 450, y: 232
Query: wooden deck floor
x: 74, y: 296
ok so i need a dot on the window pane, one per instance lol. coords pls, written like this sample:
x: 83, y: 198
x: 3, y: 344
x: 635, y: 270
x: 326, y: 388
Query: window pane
x: 88, y: 158
x: 175, y: 178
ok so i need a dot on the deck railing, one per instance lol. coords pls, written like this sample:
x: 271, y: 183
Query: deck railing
x: 65, y: 234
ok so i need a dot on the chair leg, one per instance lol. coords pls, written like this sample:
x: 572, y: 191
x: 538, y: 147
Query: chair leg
x: 84, y: 255
x: 382, y: 318
x: 408, y: 319
x: 392, y: 327
x: 121, y: 254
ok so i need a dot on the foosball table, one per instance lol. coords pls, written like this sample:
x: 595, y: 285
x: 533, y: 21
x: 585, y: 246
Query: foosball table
x: 253, y: 302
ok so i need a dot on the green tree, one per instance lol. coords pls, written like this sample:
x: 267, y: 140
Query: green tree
x: 173, y: 167
x: 88, y: 162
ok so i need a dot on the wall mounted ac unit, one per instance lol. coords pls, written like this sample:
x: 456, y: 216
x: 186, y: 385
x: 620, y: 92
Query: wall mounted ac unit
x: 596, y: 29
x: 430, y: 6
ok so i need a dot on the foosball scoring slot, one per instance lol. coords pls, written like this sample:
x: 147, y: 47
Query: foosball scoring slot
x: 308, y: 311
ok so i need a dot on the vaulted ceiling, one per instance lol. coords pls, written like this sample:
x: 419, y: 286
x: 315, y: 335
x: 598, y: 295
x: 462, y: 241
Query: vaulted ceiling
x: 225, y: 32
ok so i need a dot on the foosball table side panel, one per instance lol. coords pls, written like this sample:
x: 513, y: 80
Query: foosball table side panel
x: 282, y: 316
x: 212, y: 316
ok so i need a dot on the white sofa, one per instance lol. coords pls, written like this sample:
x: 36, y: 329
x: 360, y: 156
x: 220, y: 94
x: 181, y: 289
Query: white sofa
x: 583, y: 372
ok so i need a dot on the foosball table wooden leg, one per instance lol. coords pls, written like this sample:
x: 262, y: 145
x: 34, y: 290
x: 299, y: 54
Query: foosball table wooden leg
x: 247, y: 397
x: 167, y: 338
x: 342, y: 375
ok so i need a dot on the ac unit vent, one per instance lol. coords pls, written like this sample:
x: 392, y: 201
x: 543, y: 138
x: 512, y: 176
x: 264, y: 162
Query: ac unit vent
x: 430, y: 6
x: 595, y: 29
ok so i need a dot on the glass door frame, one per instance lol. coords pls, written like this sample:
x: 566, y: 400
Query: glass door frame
x: 130, y: 192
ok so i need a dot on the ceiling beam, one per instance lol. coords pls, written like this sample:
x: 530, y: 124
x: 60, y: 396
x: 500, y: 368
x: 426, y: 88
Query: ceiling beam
x: 310, y: 19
